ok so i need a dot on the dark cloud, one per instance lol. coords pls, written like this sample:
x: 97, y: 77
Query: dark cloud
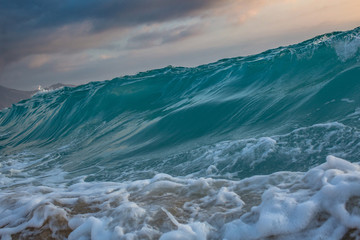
x: 50, y: 26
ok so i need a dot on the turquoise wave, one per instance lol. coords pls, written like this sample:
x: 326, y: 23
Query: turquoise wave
x: 165, y: 120
x: 244, y: 148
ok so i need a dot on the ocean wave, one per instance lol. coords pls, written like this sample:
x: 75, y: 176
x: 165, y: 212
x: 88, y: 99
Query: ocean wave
x: 233, y: 98
x: 244, y: 148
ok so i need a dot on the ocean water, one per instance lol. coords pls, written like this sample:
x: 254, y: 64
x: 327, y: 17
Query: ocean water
x: 259, y: 147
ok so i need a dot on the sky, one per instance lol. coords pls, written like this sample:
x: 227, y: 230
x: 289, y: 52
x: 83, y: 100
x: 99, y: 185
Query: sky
x: 43, y: 42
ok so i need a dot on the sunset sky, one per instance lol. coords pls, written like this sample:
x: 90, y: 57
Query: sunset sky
x: 43, y: 42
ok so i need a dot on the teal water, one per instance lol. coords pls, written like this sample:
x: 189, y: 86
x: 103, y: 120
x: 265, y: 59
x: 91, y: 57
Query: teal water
x: 285, y: 109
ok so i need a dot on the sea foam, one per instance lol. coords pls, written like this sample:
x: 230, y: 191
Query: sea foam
x: 324, y: 201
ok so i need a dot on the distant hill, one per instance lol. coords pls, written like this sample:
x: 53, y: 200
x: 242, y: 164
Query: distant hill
x: 58, y: 85
x: 9, y: 96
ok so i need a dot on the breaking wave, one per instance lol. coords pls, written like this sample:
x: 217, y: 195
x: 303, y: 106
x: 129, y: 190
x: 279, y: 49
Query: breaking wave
x: 244, y: 148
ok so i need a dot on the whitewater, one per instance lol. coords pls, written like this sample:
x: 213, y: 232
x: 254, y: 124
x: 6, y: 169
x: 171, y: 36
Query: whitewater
x: 265, y: 146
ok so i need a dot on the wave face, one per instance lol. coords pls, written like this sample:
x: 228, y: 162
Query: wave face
x: 237, y: 149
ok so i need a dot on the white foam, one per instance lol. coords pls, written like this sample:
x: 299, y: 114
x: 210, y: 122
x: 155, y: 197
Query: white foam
x: 323, y: 202
x: 347, y: 100
x: 347, y: 48
x: 283, y: 212
x: 302, y: 148
x: 195, y: 230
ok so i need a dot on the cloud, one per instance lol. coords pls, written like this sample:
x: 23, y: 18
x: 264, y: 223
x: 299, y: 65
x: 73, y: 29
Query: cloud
x: 40, y: 28
x: 38, y: 60
x: 155, y: 36
x: 240, y: 11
